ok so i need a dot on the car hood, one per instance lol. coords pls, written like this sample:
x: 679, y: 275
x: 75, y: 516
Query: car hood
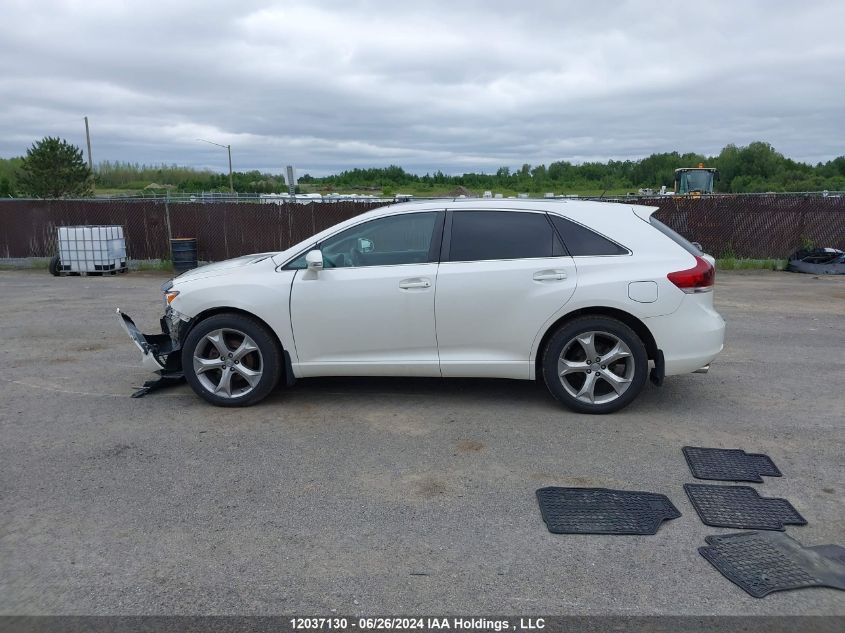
x: 221, y: 268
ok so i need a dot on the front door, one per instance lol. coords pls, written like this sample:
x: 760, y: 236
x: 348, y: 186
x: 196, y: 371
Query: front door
x: 370, y: 311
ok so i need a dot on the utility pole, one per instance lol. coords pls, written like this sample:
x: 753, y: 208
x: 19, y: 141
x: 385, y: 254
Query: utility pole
x: 228, y: 148
x: 231, y: 186
x: 291, y: 181
x: 90, y: 158
x: 88, y: 140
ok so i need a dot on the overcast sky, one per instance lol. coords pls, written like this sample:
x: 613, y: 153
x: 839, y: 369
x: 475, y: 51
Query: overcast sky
x: 458, y: 85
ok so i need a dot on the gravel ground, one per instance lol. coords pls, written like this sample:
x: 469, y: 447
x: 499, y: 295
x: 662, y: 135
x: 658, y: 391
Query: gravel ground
x: 384, y: 496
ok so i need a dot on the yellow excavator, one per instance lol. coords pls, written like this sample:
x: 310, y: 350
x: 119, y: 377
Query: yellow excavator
x: 695, y: 181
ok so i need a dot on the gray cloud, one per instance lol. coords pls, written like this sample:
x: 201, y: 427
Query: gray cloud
x: 435, y: 85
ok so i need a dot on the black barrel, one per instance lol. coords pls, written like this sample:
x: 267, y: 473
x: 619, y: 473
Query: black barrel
x: 184, y: 253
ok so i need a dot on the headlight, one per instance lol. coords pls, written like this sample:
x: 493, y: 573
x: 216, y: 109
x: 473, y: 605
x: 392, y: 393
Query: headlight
x: 170, y: 296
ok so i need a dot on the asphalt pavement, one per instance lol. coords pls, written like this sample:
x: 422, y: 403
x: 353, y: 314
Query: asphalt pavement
x: 387, y: 496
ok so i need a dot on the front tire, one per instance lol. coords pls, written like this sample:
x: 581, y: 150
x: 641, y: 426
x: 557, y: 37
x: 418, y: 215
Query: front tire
x: 231, y: 360
x: 595, y: 365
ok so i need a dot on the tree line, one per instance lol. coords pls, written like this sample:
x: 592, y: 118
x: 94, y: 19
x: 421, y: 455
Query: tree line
x: 757, y: 167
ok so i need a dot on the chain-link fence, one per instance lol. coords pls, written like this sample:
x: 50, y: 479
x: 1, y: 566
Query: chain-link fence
x: 755, y: 226
x: 222, y: 229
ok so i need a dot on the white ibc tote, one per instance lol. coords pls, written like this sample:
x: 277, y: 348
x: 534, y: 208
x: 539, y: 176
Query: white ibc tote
x: 91, y: 249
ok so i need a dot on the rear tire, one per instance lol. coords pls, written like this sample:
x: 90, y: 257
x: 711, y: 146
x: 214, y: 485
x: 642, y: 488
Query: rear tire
x: 595, y: 364
x: 231, y: 360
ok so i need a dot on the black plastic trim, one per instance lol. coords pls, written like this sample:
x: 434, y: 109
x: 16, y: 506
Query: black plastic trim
x: 446, y: 246
x: 658, y: 372
x: 290, y: 379
x: 436, y: 239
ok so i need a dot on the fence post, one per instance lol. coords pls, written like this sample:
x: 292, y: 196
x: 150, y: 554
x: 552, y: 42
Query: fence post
x: 801, y: 239
x: 289, y: 213
x: 226, y: 232
x: 281, y: 226
x: 167, y: 224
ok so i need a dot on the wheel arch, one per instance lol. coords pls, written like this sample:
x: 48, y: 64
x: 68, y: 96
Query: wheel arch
x: 615, y: 313
x: 287, y: 371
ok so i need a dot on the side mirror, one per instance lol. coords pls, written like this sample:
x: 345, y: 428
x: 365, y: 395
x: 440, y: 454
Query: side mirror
x: 314, y: 260
x: 365, y: 245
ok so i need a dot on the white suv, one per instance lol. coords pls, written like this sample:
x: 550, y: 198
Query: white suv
x: 588, y: 295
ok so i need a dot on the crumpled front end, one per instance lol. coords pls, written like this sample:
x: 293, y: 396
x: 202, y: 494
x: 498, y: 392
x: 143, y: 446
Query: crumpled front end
x: 160, y: 353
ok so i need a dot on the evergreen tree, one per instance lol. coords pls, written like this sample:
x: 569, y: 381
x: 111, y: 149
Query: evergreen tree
x: 53, y: 168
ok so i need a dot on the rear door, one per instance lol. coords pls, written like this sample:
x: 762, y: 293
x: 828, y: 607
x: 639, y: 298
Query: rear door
x: 502, y: 275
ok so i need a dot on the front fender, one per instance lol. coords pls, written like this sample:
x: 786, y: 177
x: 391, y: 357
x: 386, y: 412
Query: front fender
x: 262, y: 294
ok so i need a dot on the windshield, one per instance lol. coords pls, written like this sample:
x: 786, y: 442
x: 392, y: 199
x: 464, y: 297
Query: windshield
x: 697, y: 180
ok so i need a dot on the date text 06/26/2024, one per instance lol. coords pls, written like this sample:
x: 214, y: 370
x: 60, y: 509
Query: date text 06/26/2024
x: 416, y: 624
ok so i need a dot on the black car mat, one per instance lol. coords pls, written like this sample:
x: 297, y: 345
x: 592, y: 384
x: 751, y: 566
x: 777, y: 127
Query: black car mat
x: 741, y: 507
x: 729, y: 464
x: 764, y: 562
x: 603, y: 511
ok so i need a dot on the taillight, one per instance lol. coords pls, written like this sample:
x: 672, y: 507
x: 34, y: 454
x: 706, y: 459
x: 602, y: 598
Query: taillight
x: 699, y: 278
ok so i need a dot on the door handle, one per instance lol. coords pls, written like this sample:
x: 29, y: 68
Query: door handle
x: 417, y: 282
x: 550, y: 275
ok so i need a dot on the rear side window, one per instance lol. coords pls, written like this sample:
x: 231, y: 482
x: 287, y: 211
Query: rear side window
x: 483, y: 235
x: 680, y: 240
x: 581, y: 241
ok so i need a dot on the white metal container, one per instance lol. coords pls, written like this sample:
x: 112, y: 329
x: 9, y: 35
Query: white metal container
x: 91, y: 249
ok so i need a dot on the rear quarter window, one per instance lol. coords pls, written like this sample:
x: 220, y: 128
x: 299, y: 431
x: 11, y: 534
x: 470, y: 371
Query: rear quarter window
x: 676, y: 237
x: 583, y: 242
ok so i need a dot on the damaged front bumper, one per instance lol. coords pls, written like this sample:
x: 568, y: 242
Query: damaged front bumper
x: 160, y: 353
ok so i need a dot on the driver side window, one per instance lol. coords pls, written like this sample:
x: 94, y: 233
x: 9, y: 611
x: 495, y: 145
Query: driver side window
x: 390, y: 241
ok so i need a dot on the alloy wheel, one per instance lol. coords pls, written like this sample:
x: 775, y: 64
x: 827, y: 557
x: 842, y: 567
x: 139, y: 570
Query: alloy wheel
x: 596, y: 367
x: 228, y: 363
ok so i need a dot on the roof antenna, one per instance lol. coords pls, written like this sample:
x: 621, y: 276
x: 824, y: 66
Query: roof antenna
x: 602, y: 194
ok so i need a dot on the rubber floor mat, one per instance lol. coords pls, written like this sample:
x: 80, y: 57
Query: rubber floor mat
x: 603, y: 511
x: 764, y: 562
x: 741, y: 507
x: 729, y: 464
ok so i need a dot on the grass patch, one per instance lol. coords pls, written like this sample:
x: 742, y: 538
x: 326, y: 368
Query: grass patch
x: 25, y: 263
x: 154, y: 265
x: 742, y: 263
